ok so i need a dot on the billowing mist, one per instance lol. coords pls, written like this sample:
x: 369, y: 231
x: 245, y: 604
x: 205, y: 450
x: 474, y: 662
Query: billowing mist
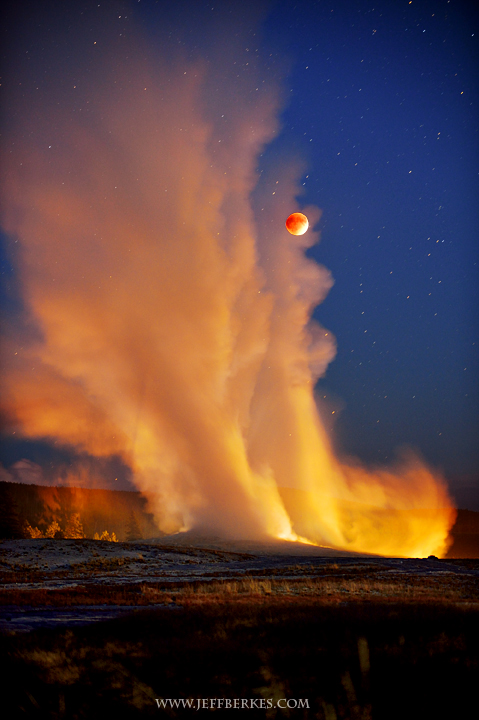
x: 169, y: 309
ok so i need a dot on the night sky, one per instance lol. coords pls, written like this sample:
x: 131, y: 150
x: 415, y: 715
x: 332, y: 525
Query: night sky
x: 384, y: 108
x: 379, y: 103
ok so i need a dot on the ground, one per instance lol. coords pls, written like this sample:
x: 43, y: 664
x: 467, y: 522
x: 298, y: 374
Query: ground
x: 92, y: 628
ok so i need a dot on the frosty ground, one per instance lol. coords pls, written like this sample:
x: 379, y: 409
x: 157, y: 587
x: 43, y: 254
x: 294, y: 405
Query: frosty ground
x: 41, y: 579
x: 94, y: 629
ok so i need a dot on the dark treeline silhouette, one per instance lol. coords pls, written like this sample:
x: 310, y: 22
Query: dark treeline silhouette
x: 73, y: 512
x: 10, y: 519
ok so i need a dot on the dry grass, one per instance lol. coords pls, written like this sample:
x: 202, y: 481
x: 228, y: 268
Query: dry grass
x: 361, y: 640
x: 450, y: 589
x: 363, y: 661
x: 323, y: 590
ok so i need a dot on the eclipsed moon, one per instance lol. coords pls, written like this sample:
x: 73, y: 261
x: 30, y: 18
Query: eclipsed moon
x: 297, y: 224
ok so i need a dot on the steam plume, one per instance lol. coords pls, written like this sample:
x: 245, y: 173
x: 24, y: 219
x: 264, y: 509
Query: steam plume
x: 174, y: 309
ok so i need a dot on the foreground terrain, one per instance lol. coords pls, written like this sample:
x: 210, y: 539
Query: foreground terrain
x: 100, y: 628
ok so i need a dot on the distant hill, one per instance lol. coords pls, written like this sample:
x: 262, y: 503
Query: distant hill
x: 465, y: 534
x: 125, y: 514
x: 115, y: 511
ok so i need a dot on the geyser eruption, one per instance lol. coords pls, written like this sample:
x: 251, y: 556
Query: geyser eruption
x: 172, y: 309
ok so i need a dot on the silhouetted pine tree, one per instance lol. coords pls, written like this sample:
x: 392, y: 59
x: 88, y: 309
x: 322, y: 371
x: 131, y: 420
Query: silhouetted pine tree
x: 133, y: 532
x: 74, y: 527
x: 11, y: 526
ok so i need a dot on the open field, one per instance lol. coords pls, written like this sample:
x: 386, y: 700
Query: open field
x: 98, y: 628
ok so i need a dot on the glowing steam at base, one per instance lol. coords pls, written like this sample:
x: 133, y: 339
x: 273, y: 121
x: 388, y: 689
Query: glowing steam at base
x: 174, y: 311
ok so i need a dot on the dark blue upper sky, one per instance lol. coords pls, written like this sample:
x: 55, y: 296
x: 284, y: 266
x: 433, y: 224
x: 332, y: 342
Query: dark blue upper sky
x: 381, y: 104
x: 384, y: 109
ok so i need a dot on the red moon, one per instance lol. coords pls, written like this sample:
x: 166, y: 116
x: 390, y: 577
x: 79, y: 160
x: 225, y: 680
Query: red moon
x: 297, y: 224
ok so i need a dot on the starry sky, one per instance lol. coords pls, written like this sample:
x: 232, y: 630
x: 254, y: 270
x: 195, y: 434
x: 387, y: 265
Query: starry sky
x: 384, y: 108
x: 379, y: 103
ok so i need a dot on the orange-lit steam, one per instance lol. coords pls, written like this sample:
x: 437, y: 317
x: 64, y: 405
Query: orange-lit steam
x: 175, y: 312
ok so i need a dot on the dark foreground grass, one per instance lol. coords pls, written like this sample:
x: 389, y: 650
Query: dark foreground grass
x: 356, y: 660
